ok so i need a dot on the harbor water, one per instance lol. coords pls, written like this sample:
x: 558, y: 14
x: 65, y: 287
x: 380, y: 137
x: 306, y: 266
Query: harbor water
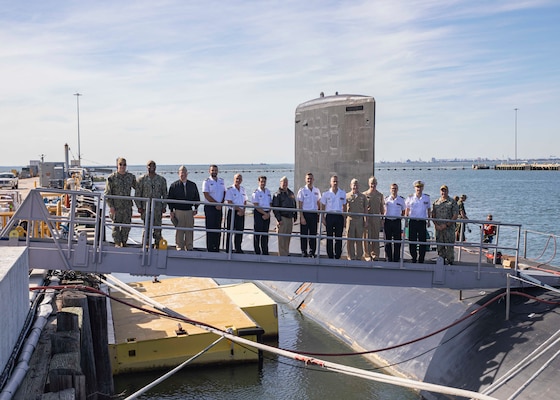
x: 280, y: 378
x: 516, y: 197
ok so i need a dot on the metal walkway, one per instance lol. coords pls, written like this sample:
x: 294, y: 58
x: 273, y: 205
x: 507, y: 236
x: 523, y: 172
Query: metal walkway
x: 74, y: 240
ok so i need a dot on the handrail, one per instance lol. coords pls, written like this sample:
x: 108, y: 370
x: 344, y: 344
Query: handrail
x: 100, y: 222
x: 550, y: 236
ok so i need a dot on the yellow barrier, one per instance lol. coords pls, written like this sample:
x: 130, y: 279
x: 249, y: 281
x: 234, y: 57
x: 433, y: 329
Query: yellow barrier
x: 5, y: 217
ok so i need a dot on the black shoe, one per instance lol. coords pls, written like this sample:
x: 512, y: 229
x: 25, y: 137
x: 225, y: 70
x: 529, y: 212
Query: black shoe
x: 239, y: 251
x: 413, y: 261
x: 304, y: 254
x: 312, y: 255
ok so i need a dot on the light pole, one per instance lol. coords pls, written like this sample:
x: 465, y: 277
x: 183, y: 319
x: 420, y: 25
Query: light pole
x: 515, y: 135
x: 78, y: 109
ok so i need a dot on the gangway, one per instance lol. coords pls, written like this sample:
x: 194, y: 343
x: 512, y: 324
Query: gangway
x: 76, y: 241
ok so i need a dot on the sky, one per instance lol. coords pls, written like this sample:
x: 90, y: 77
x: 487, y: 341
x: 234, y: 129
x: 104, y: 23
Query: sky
x: 201, y: 82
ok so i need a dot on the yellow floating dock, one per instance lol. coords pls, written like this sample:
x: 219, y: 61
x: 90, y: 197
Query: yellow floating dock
x: 143, y: 341
x: 257, y: 305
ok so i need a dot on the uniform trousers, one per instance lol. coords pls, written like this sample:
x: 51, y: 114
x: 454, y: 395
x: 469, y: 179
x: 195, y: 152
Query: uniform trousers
x: 372, y: 232
x: 284, y: 241
x: 417, y: 233
x: 260, y: 242
x: 335, y: 226
x: 392, y: 229
x: 309, y: 229
x: 355, y: 229
x: 123, y: 215
x: 146, y: 215
x: 447, y: 252
x: 184, y: 239
x: 213, y: 219
x: 238, y: 225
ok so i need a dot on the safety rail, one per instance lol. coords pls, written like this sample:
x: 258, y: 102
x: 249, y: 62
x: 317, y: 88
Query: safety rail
x: 65, y: 220
x: 546, y: 239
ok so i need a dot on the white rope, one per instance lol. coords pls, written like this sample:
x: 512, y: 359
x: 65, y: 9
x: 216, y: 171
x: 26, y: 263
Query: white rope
x: 532, y: 378
x: 176, y: 369
x: 343, y: 369
x: 545, y: 346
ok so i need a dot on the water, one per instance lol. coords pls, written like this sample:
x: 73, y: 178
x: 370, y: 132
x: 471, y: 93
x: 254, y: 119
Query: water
x: 517, y: 197
x: 280, y: 378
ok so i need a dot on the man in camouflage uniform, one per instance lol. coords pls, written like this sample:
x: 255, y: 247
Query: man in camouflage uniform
x: 461, y: 226
x: 151, y: 186
x: 445, y: 208
x: 120, y: 183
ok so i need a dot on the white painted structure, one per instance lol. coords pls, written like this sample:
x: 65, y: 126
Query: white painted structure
x: 14, y: 297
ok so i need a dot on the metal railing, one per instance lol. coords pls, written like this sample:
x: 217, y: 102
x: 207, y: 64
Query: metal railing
x: 70, y: 214
x: 548, y: 242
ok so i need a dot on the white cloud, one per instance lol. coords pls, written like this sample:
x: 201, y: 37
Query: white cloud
x: 228, y: 76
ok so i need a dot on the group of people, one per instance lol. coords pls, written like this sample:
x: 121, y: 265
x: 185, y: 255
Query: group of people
x: 369, y: 205
x: 367, y: 211
x: 445, y: 210
x: 151, y: 186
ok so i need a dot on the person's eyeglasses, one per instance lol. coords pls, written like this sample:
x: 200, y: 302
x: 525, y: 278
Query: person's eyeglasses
x: 122, y: 164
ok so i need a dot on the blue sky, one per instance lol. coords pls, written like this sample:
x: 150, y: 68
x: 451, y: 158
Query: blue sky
x: 218, y: 82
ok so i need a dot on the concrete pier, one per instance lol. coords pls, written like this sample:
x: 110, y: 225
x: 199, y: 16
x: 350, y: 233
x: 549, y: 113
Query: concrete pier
x: 14, y: 297
x: 527, y: 167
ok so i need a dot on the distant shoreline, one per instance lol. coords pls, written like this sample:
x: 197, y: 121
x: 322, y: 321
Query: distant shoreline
x: 457, y: 162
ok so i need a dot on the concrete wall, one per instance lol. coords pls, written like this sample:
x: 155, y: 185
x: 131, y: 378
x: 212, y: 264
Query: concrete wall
x: 335, y: 135
x: 14, y: 297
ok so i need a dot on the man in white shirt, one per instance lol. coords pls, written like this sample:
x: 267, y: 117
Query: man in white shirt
x: 261, y: 199
x: 418, y: 208
x: 394, y: 209
x: 213, y: 189
x: 236, y: 196
x: 333, y: 202
x: 308, y: 198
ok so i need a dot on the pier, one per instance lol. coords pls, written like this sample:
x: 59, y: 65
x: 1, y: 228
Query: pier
x: 528, y: 167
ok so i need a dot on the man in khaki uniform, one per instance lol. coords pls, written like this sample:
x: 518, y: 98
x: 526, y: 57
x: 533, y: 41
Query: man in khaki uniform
x: 375, y: 205
x: 356, y: 202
